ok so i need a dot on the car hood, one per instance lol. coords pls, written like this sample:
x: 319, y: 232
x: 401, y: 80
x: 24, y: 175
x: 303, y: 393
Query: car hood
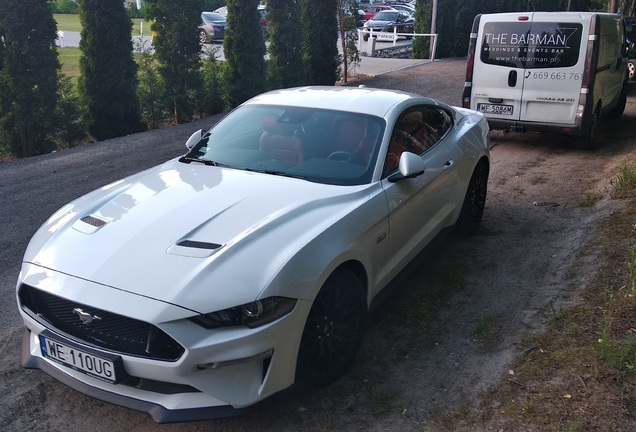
x: 374, y: 22
x: 168, y: 232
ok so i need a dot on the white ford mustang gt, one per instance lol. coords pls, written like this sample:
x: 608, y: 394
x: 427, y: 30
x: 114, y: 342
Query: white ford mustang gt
x: 202, y: 286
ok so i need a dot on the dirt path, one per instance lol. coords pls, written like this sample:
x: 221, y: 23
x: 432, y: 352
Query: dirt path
x: 448, y: 331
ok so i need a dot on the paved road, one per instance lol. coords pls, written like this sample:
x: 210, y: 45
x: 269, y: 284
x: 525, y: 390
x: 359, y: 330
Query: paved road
x: 368, y: 65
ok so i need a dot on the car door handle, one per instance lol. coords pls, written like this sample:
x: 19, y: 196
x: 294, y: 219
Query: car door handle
x: 448, y: 164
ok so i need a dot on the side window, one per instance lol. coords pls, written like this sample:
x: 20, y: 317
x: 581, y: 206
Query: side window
x: 416, y: 130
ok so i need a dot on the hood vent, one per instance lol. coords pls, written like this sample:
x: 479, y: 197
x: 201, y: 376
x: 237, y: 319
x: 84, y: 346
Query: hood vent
x: 194, y: 249
x: 89, y: 224
x: 198, y: 244
x: 92, y: 220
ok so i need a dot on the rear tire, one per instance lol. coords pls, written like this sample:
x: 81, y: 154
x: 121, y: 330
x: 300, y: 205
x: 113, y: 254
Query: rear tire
x: 586, y: 142
x: 203, y: 37
x: 618, y: 110
x: 333, y: 331
x: 631, y: 69
x: 474, y: 201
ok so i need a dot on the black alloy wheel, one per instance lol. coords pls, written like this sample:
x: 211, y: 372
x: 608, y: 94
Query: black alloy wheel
x: 333, y: 331
x: 474, y: 201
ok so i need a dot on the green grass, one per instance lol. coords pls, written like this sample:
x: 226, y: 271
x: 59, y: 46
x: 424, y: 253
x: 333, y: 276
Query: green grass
x: 71, y: 22
x: 624, y: 184
x: 68, y: 22
x: 69, y: 60
x: 589, y: 199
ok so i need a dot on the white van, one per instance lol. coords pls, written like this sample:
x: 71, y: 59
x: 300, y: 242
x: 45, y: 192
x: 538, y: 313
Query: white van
x: 547, y: 71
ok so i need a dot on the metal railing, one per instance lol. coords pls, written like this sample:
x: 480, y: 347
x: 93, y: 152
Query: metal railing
x: 369, y: 46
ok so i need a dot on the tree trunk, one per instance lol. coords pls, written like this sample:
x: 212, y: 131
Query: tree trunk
x: 612, y: 6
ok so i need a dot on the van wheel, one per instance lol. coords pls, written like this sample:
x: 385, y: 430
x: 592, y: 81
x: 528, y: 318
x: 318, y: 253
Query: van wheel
x: 586, y: 142
x: 631, y: 69
x: 618, y: 110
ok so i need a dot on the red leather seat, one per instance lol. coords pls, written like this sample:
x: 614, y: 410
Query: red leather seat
x: 278, y: 144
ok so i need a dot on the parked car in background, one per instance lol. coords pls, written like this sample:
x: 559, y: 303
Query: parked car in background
x: 212, y: 27
x: 202, y: 286
x: 405, y: 8
x: 359, y: 16
x: 262, y: 20
x: 402, y: 6
x: 222, y: 10
x: 372, y: 10
x: 389, y: 21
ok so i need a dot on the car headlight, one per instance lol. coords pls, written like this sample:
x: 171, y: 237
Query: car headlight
x: 253, y: 314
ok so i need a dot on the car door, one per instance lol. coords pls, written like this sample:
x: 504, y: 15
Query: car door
x: 420, y: 207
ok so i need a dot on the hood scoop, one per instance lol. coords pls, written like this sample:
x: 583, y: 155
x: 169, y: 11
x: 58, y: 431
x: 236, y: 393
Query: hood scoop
x: 194, y: 248
x: 89, y: 224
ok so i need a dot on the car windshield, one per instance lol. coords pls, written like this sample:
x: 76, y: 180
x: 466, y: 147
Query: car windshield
x: 323, y: 146
x: 386, y: 16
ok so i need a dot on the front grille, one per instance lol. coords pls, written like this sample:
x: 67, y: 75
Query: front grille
x: 100, y: 328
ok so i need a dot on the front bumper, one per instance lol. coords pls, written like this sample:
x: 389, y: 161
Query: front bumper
x: 220, y: 374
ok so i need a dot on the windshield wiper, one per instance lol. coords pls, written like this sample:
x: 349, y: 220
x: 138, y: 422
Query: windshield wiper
x: 277, y: 173
x: 187, y: 160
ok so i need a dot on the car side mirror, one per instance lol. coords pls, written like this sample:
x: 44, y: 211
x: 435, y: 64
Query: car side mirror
x: 194, y: 138
x: 411, y: 166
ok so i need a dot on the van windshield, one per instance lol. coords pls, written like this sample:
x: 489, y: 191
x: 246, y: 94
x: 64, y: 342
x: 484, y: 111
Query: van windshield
x: 531, y: 45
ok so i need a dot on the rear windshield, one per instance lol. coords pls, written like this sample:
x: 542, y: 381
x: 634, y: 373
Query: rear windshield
x: 531, y: 45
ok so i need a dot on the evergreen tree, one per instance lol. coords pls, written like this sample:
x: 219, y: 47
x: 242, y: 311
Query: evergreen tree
x: 29, y: 70
x: 421, y: 45
x: 176, y: 43
x: 320, y: 41
x: 244, y: 47
x: 108, y: 80
x: 285, y: 66
x: 212, y: 99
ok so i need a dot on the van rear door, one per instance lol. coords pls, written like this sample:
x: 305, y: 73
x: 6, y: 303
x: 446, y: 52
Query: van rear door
x: 554, y: 66
x: 530, y: 67
x: 498, y: 78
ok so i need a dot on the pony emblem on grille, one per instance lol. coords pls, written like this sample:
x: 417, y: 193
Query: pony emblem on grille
x: 85, y: 317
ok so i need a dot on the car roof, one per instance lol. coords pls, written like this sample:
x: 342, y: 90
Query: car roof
x: 363, y: 100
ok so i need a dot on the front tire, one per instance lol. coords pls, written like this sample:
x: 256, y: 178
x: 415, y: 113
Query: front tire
x: 333, y: 331
x: 474, y: 201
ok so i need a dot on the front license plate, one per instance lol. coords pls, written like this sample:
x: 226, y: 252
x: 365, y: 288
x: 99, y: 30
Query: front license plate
x: 78, y: 359
x: 494, y: 109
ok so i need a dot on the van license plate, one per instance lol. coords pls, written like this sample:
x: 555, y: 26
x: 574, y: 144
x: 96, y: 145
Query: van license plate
x: 79, y: 360
x: 494, y: 109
